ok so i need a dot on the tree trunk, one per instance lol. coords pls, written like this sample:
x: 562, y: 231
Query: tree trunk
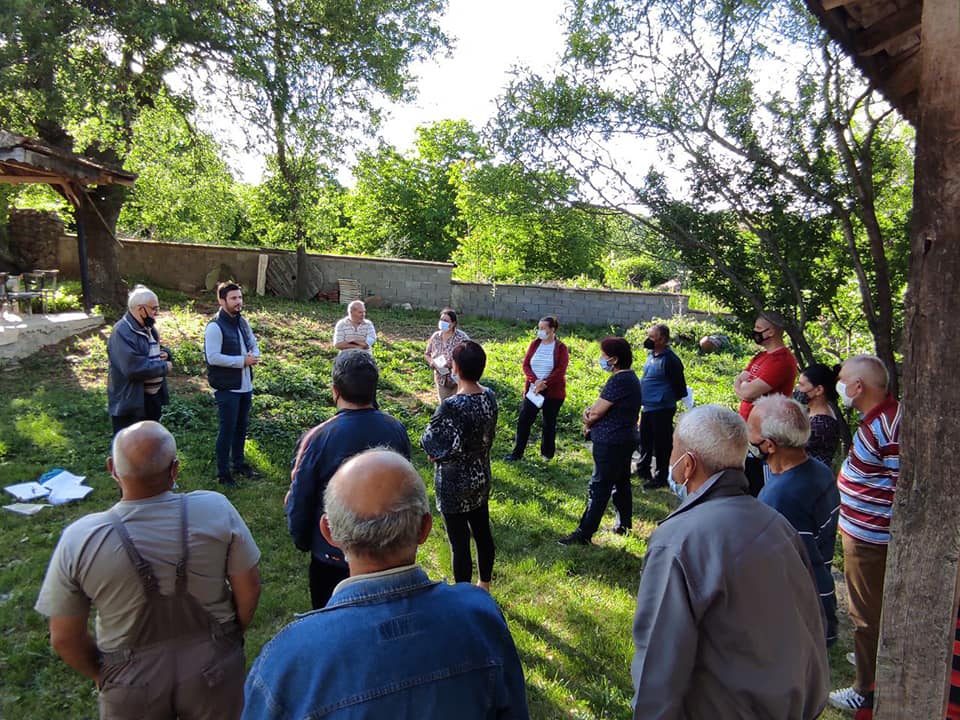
x: 98, y: 211
x: 302, y: 291
x: 920, y: 598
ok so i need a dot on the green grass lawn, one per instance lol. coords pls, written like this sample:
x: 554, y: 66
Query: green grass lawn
x: 570, y: 609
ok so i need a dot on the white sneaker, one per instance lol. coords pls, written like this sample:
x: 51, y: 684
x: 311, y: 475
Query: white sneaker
x: 847, y: 699
x: 852, y: 658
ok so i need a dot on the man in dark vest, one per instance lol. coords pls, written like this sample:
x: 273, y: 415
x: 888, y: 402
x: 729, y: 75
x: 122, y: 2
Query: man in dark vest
x: 231, y: 351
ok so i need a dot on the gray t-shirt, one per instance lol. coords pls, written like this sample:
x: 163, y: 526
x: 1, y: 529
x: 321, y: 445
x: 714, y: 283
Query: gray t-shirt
x: 90, y: 566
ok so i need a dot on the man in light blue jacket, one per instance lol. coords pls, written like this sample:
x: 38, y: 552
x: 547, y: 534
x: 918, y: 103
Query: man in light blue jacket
x: 391, y: 643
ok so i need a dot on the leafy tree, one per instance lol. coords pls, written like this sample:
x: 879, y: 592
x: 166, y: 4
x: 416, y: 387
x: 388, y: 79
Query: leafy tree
x: 406, y: 205
x: 521, y: 226
x: 308, y: 76
x: 184, y: 189
x: 78, y: 74
x: 690, y: 82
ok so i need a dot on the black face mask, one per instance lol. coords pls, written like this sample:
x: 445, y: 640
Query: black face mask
x: 761, y: 453
x: 149, y: 321
x: 801, y: 397
x: 648, y: 344
x: 757, y: 337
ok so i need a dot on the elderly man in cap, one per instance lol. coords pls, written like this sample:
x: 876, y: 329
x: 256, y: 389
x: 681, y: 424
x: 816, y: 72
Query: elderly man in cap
x: 137, y: 382
x: 391, y: 643
x: 800, y: 488
x: 175, y: 581
x: 728, y: 622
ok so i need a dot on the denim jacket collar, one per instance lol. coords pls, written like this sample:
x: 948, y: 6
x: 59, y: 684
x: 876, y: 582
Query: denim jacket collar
x: 379, y: 587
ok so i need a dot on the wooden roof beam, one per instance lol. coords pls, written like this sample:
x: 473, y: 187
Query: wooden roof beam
x: 834, y: 4
x: 890, y: 30
x: 6, y: 179
x: 902, y: 79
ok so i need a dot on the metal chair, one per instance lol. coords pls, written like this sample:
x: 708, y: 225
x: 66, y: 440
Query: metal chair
x: 18, y: 289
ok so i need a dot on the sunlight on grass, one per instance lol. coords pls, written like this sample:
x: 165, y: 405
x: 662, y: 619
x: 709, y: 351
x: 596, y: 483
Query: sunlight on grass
x: 42, y: 431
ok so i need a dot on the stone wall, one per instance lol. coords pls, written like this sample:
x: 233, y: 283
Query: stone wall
x: 428, y: 285
x: 35, y: 239
x: 570, y: 305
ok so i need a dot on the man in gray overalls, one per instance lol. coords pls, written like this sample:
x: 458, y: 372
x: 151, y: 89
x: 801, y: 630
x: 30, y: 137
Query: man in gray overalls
x: 156, y: 566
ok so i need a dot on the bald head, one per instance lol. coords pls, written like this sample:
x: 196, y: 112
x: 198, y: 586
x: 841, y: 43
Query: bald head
x: 142, y: 459
x: 376, y: 505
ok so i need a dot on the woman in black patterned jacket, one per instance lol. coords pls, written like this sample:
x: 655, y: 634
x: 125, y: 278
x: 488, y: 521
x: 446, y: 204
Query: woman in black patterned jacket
x: 817, y: 390
x: 458, y: 439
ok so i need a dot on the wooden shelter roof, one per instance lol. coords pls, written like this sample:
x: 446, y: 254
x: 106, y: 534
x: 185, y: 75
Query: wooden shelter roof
x: 883, y: 39
x: 24, y: 160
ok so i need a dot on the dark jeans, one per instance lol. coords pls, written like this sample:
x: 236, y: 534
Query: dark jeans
x: 611, y: 476
x: 324, y: 577
x: 656, y: 442
x: 528, y: 413
x: 459, y: 528
x: 234, y: 411
x: 151, y: 411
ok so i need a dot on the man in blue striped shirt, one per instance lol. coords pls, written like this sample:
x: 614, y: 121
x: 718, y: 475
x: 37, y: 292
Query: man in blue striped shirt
x: 800, y: 488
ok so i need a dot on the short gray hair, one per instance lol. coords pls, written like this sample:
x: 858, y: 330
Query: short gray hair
x: 140, y: 295
x: 378, y: 535
x: 356, y: 303
x: 783, y: 420
x: 716, y: 435
x: 870, y: 370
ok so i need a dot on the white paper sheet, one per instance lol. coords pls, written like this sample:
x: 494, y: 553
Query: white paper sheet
x: 68, y: 493
x: 688, y: 400
x: 534, y: 398
x: 25, y: 508
x: 63, y: 480
x: 28, y: 491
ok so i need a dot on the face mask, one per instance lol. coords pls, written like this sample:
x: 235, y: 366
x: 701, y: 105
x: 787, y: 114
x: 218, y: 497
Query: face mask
x: 761, y: 454
x: 648, y: 344
x: 605, y: 364
x: 542, y: 334
x: 842, y: 392
x: 149, y: 321
x: 801, y: 397
x: 455, y: 378
x: 757, y: 337
x: 443, y: 325
x: 678, y: 489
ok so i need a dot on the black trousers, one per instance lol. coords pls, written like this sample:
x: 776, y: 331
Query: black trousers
x: 152, y: 410
x: 548, y: 439
x: 611, y: 479
x: 323, y: 579
x: 656, y: 442
x: 459, y: 528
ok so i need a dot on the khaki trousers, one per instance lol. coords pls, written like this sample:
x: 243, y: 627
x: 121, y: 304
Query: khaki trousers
x: 864, y: 565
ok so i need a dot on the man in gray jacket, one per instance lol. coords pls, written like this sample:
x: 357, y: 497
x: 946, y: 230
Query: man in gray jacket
x: 728, y: 622
x: 137, y: 383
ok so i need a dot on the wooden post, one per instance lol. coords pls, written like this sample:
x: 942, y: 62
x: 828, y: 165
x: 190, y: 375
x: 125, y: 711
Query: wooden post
x: 262, y: 261
x: 920, y: 598
x: 82, y: 259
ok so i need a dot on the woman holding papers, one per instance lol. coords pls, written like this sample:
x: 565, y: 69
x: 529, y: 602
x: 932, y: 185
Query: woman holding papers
x: 545, y: 371
x: 439, y: 353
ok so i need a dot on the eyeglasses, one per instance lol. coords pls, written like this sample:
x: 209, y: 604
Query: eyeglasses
x: 152, y: 308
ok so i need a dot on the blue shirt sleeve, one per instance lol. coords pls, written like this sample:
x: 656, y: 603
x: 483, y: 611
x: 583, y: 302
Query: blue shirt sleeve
x: 302, y: 504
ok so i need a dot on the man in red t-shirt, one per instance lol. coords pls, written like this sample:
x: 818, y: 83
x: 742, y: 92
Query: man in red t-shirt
x: 772, y: 370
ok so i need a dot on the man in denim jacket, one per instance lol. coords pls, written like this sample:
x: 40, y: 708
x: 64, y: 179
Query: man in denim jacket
x: 391, y: 643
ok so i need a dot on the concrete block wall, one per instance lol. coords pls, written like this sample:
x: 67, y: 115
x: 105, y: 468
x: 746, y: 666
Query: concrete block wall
x: 35, y: 237
x: 570, y: 305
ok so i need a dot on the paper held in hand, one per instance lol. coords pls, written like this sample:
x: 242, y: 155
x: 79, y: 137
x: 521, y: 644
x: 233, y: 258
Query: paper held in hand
x: 534, y: 398
x: 440, y: 363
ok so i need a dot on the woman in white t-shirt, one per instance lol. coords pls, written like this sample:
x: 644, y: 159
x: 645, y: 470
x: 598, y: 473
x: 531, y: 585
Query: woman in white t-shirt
x: 545, y: 371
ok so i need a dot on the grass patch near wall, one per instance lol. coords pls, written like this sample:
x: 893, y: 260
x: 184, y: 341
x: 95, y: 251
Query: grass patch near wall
x: 570, y: 609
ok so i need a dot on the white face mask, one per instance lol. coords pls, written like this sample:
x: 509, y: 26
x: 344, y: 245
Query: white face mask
x: 443, y: 325
x: 842, y: 392
x: 542, y: 334
x: 455, y: 377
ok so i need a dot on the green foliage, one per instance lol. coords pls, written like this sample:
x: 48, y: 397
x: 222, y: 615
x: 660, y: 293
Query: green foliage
x: 184, y: 189
x: 636, y: 271
x: 569, y: 609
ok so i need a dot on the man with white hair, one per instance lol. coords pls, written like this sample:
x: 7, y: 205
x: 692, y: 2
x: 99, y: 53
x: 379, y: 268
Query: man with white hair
x: 867, y: 483
x: 800, y: 488
x: 175, y: 581
x: 391, y: 643
x: 354, y: 332
x: 137, y: 385
x: 728, y: 622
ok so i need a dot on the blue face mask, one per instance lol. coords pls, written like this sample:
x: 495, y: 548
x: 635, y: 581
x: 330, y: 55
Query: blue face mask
x: 605, y: 364
x: 679, y: 490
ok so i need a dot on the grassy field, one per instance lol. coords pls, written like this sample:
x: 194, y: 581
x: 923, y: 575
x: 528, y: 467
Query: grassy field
x: 570, y: 609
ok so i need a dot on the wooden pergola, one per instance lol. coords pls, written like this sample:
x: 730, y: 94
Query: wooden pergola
x: 23, y: 160
x: 910, y: 51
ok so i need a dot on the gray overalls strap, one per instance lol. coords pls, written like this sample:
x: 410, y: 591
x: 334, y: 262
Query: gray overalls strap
x: 164, y: 618
x: 178, y: 662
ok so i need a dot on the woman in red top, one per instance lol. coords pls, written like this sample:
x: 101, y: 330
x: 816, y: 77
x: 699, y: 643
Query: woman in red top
x: 545, y: 370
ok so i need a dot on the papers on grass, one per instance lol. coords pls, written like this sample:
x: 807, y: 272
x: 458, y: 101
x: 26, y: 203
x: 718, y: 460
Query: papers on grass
x: 56, y: 486
x: 534, y: 398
